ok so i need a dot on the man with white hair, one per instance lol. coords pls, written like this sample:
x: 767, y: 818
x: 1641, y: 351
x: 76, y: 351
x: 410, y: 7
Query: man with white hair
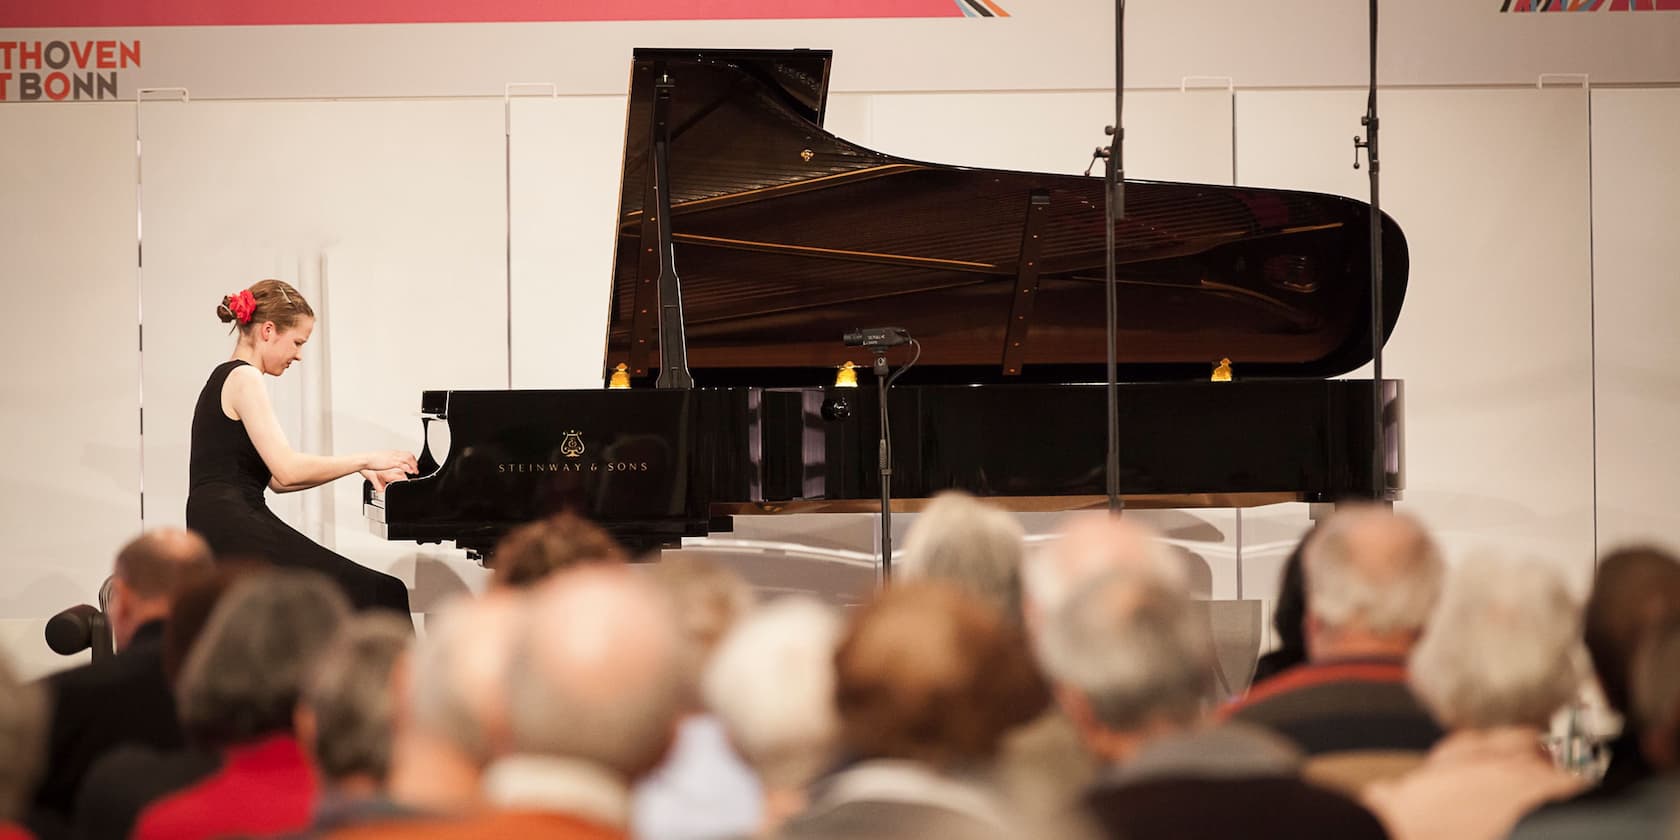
x: 1494, y: 666
x: 970, y: 543
x: 1134, y: 668
x: 591, y: 708
x: 451, y: 713
x: 1372, y: 580
x: 1043, y: 766
x: 771, y: 684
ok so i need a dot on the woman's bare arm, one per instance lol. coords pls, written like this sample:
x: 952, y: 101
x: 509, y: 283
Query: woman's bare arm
x: 291, y: 470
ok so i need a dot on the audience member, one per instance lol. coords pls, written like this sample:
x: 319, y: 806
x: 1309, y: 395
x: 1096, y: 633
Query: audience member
x: 1045, y: 766
x: 238, y: 691
x: 1372, y: 580
x: 126, y: 699
x: 702, y: 791
x: 1496, y: 662
x: 1633, y: 589
x: 344, y: 721
x: 1646, y: 808
x: 533, y: 551
x: 130, y: 777
x: 972, y: 544
x: 452, y: 714
x: 592, y: 709
x: 1289, y: 615
x: 1134, y: 667
x: 771, y: 686
x: 22, y: 737
x: 928, y: 682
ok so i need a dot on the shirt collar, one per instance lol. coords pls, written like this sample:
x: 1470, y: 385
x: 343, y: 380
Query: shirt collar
x: 562, y: 785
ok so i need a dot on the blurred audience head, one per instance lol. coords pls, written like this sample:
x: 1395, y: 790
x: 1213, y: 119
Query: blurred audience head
x: 1656, y: 695
x: 458, y: 673
x: 771, y: 683
x: 534, y: 551
x: 1131, y: 657
x: 147, y: 574
x: 1372, y: 579
x: 190, y: 612
x: 707, y: 598
x: 929, y: 673
x: 972, y: 544
x: 1501, y: 649
x: 1634, y: 588
x: 242, y: 678
x: 23, y: 731
x: 1090, y: 549
x: 345, y: 716
x: 601, y: 672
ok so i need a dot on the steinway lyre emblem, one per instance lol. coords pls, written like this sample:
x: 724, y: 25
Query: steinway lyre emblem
x: 571, y: 445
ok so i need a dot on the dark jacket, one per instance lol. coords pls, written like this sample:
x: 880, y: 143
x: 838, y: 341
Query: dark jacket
x: 101, y: 706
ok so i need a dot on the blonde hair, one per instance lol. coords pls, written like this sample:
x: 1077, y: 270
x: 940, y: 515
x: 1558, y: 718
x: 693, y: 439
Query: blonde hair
x: 276, y: 301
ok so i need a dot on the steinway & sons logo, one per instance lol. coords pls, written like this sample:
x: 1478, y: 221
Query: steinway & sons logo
x: 571, y: 446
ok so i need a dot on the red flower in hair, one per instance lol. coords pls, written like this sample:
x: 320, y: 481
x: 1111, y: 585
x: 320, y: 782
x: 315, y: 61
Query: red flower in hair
x: 242, y: 305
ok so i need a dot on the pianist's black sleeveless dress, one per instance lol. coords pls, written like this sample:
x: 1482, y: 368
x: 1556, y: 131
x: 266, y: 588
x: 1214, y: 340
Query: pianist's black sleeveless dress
x: 225, y: 505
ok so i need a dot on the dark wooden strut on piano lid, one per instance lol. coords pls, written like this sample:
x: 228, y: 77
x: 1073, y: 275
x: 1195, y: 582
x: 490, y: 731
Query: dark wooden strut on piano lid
x: 788, y: 236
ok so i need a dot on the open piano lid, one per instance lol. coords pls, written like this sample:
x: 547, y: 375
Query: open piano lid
x: 786, y: 236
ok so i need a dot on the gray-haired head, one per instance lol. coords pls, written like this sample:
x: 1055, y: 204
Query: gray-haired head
x: 244, y: 674
x: 349, y: 700
x: 771, y: 683
x: 601, y: 673
x: 1089, y: 549
x: 1374, y: 569
x: 969, y: 543
x: 23, y: 730
x: 1503, y: 649
x: 1135, y: 648
x: 459, y: 675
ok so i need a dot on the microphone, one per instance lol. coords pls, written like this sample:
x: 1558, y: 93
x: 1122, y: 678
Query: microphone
x: 876, y: 337
x: 78, y: 628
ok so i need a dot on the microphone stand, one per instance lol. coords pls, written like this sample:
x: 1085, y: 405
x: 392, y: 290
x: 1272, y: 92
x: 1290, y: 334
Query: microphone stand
x: 1379, y: 444
x: 885, y: 464
x: 1114, y: 209
x: 884, y: 379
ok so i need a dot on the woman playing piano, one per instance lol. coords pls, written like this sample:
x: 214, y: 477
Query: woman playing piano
x: 238, y: 449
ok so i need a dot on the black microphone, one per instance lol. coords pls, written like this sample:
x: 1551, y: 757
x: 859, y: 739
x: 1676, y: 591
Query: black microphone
x: 876, y: 337
x: 75, y: 629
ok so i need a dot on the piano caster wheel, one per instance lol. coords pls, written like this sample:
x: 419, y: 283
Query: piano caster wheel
x: 836, y: 408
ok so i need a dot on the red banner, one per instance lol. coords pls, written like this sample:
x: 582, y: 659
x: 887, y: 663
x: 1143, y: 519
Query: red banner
x: 129, y: 13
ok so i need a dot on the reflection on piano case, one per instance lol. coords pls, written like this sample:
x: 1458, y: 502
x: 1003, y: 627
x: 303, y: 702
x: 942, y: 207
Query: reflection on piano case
x: 786, y: 236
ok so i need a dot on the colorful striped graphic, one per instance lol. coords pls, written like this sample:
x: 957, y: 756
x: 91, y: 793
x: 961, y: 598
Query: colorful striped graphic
x: 128, y: 13
x: 1590, y: 6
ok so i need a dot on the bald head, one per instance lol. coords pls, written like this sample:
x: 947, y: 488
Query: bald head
x: 601, y: 672
x: 460, y: 670
x: 1370, y: 573
x: 147, y: 574
x: 1092, y: 548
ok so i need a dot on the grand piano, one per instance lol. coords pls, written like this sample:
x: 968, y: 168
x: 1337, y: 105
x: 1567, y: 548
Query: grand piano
x: 750, y: 239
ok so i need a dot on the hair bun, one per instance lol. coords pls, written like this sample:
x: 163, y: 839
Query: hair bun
x: 223, y: 311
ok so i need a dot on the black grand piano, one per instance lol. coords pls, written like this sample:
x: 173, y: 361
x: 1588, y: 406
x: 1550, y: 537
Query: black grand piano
x: 785, y: 236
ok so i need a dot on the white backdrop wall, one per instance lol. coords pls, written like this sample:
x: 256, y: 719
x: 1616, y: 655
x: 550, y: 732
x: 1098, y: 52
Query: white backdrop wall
x: 464, y: 242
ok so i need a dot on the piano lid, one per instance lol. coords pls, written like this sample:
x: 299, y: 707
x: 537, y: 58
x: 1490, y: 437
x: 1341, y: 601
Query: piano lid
x: 786, y: 236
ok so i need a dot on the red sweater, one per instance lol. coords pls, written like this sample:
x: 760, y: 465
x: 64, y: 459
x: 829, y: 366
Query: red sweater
x: 263, y: 787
